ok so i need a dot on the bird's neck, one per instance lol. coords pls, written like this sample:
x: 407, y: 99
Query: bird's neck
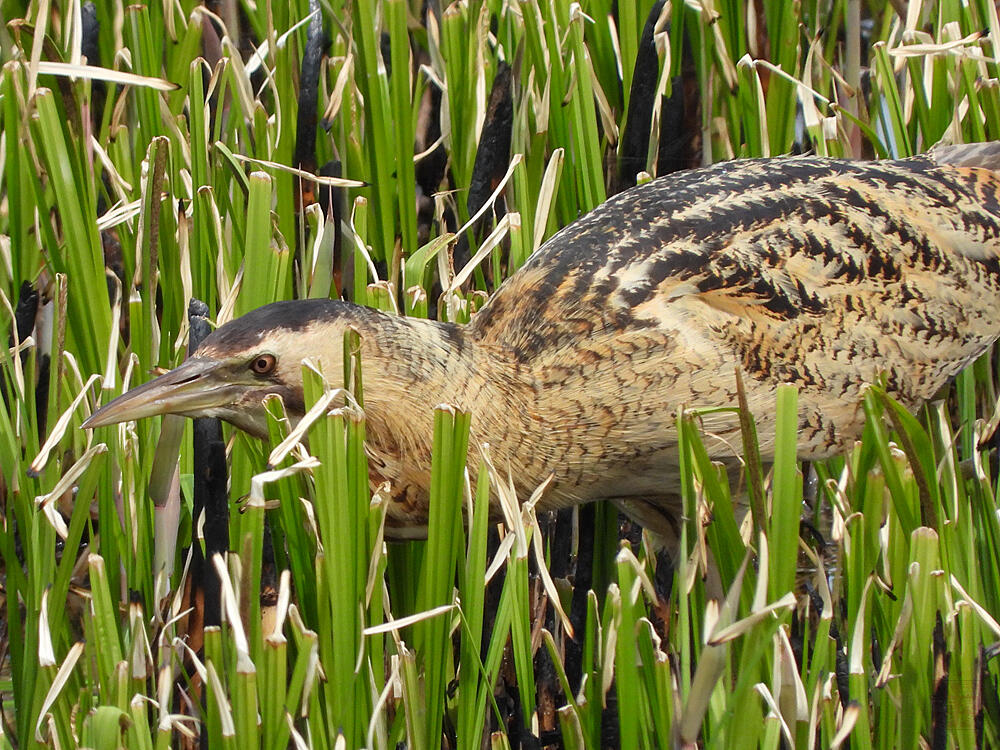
x: 410, y: 366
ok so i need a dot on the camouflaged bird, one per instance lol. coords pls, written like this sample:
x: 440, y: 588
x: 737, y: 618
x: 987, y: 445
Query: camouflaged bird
x: 822, y: 273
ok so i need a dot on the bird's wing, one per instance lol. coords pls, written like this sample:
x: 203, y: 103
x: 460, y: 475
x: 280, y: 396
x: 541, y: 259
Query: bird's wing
x: 821, y: 273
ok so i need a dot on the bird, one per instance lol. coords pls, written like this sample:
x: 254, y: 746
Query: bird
x: 828, y: 274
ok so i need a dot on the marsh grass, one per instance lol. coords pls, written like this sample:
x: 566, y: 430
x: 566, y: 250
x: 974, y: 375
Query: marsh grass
x: 882, y: 635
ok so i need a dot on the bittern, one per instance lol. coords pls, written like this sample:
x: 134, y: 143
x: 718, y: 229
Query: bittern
x: 823, y: 273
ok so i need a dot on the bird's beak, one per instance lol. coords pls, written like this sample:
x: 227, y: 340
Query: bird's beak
x: 189, y: 390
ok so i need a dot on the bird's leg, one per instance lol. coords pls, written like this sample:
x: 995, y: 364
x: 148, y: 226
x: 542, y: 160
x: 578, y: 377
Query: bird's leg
x: 583, y: 579
x: 660, y: 516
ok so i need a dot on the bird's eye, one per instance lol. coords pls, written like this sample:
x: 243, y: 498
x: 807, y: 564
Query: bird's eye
x: 264, y: 364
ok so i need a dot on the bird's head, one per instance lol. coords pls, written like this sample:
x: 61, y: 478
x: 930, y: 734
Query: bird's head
x: 242, y: 362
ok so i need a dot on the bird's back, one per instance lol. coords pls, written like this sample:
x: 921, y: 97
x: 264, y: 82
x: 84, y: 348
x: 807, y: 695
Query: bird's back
x: 822, y: 273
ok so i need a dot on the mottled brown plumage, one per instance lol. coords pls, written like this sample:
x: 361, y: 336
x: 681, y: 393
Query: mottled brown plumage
x: 821, y: 273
